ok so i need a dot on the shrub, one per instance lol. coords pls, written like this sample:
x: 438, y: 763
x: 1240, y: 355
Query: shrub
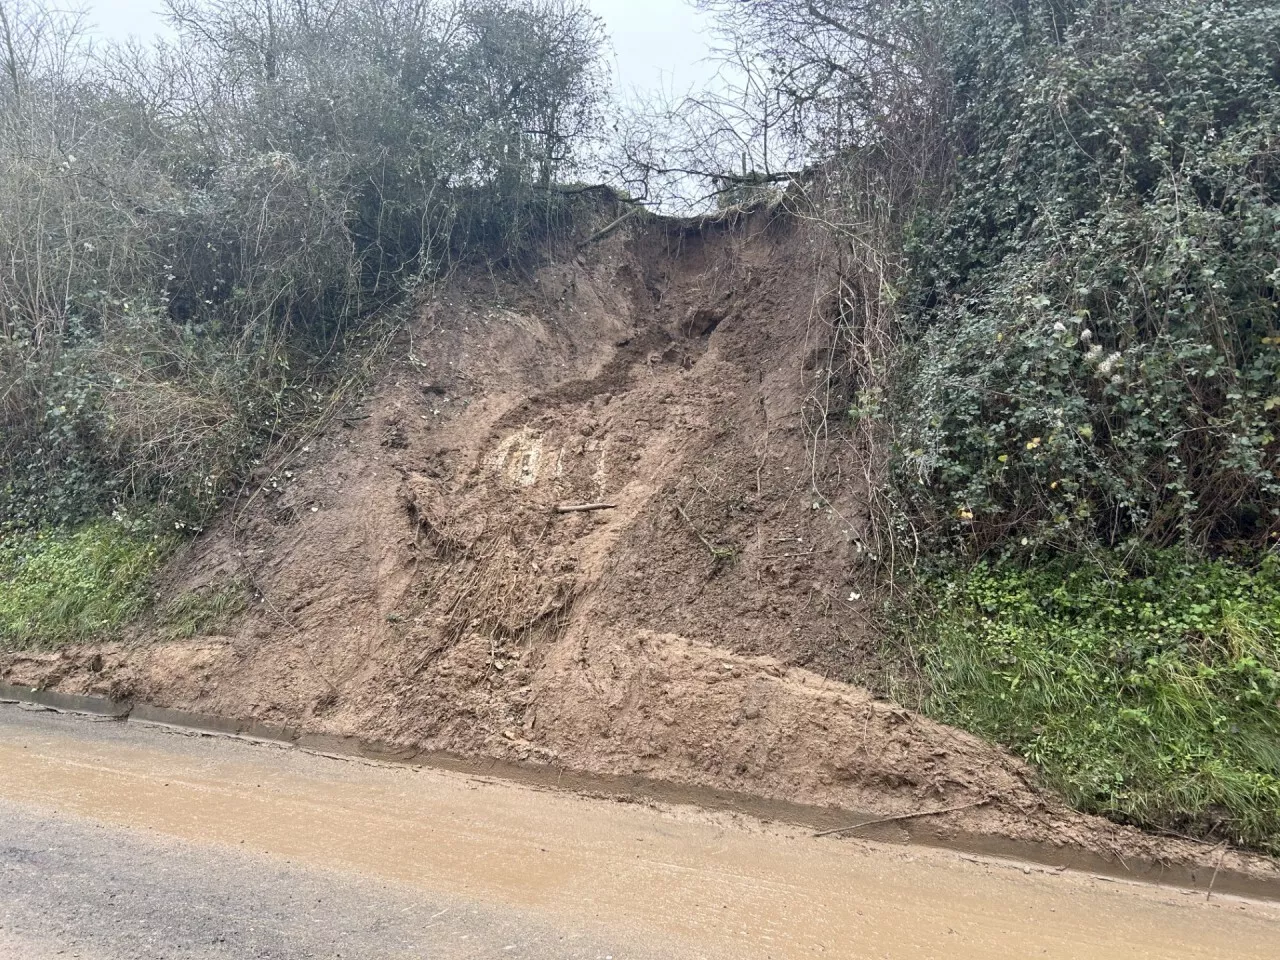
x: 192, y: 233
x: 1092, y: 316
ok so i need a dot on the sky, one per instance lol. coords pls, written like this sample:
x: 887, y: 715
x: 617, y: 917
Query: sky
x: 658, y: 44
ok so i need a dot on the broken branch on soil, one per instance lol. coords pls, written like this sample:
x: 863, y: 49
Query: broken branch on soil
x: 905, y: 816
x: 585, y: 507
x: 601, y: 234
x: 1214, y: 878
x: 717, y: 553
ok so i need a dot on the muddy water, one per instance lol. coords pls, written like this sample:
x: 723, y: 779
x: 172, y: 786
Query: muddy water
x: 717, y: 886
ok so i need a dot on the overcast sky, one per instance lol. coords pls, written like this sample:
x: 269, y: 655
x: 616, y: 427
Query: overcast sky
x: 656, y: 42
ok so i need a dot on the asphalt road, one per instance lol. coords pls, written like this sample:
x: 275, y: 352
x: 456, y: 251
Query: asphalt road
x: 75, y: 888
x: 119, y: 841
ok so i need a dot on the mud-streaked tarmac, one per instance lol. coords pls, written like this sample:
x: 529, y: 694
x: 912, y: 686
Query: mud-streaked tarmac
x: 122, y: 841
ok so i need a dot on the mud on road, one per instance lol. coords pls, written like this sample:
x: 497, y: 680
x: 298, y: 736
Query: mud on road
x: 260, y: 832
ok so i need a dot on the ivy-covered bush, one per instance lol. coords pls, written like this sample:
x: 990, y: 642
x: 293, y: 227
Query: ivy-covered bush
x: 1085, y: 405
x: 1091, y: 327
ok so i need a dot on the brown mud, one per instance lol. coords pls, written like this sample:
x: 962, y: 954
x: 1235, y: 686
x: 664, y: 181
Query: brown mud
x: 675, y: 880
x: 415, y: 586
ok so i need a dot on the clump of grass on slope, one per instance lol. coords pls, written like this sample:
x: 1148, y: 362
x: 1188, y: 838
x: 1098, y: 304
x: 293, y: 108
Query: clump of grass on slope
x: 63, y: 586
x: 1150, y: 697
x: 200, y: 612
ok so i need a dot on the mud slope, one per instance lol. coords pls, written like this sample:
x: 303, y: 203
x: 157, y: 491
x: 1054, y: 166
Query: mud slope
x: 418, y: 587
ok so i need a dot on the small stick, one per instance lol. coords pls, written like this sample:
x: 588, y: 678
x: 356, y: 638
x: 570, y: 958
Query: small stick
x: 601, y: 234
x: 788, y: 556
x: 692, y: 526
x: 1214, y: 878
x: 585, y: 507
x: 905, y: 816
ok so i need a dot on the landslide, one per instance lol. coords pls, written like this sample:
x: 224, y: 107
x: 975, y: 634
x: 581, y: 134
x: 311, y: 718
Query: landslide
x: 412, y: 582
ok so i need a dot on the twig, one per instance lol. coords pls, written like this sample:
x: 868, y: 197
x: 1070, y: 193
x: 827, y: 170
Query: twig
x: 1190, y: 839
x: 787, y: 556
x: 717, y: 553
x: 1213, y: 879
x: 601, y: 234
x: 585, y: 507
x: 905, y: 816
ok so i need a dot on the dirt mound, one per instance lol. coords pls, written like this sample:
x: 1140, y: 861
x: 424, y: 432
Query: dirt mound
x: 416, y: 585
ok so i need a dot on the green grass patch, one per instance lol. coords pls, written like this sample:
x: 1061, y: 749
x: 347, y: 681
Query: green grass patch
x: 202, y: 612
x: 1150, y: 697
x: 67, y: 586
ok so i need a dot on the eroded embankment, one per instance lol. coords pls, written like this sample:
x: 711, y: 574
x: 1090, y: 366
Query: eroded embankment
x: 418, y: 588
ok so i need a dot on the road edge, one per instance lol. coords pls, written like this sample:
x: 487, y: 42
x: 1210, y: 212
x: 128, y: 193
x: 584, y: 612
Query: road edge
x: 1227, y: 881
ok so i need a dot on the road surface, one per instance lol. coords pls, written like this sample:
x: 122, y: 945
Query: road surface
x: 121, y: 841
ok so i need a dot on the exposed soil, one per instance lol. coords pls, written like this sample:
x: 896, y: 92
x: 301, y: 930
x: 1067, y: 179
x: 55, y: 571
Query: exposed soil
x: 416, y: 585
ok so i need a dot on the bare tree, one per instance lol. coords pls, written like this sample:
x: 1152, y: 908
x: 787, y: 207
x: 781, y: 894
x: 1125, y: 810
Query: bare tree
x: 718, y: 146
x: 39, y: 46
x: 193, y: 225
x: 842, y: 69
x: 801, y: 82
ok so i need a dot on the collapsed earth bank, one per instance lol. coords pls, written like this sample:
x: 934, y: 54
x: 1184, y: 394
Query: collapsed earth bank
x: 414, y: 583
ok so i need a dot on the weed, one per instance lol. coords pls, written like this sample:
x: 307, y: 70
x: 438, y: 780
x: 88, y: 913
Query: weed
x: 64, y: 586
x: 1150, y: 696
x: 204, y: 611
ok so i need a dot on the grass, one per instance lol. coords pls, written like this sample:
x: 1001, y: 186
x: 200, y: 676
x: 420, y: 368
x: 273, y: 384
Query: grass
x: 1150, y: 697
x: 201, y: 612
x: 70, y: 586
